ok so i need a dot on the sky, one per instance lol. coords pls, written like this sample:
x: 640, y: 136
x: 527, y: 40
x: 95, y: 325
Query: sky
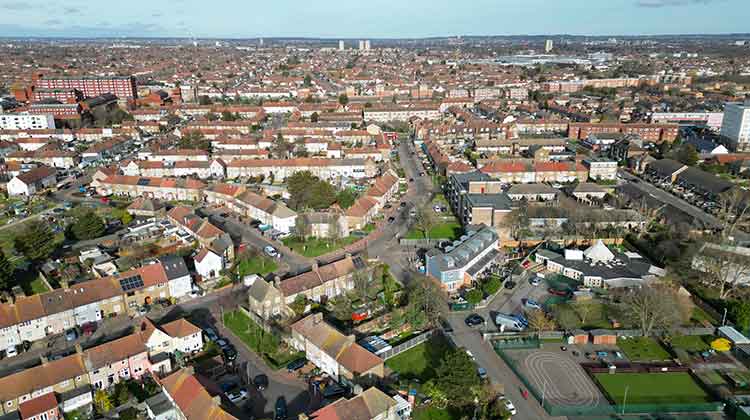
x: 368, y: 18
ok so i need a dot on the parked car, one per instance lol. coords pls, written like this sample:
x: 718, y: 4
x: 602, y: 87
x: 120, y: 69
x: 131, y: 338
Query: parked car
x: 271, y: 251
x: 446, y: 325
x: 296, y: 364
x: 230, y: 353
x: 211, y: 334
x: 237, y: 395
x: 473, y: 320
x: 509, y: 406
x: 71, y: 335
x: 11, y: 351
x: 88, y: 328
x: 260, y: 382
x: 531, y: 304
x: 482, y: 372
x: 280, y: 411
x: 222, y: 343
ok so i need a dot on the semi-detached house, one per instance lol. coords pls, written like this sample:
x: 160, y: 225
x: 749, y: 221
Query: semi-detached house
x: 35, y: 317
x: 72, y: 379
x: 333, y: 352
x: 249, y: 204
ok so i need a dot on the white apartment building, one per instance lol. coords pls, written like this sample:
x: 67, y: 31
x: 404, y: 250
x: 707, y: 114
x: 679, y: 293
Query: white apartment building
x: 736, y: 124
x: 26, y: 121
x: 601, y: 168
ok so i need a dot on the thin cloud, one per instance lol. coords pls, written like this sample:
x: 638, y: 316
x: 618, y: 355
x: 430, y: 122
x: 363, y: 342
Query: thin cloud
x: 72, y: 10
x: 15, y: 5
x: 672, y: 3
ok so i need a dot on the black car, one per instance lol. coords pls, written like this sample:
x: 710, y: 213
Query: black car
x: 261, y: 382
x: 230, y: 353
x: 474, y: 319
x: 387, y: 206
x: 402, y: 205
x: 510, y: 285
x: 391, y: 219
x: 446, y: 326
x: 280, y: 409
x: 296, y: 364
x: 411, y: 179
x: 254, y: 223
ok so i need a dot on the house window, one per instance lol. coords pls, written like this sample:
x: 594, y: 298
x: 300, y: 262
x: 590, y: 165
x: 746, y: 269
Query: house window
x: 43, y: 416
x: 9, y: 403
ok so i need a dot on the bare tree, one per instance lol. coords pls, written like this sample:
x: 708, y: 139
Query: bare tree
x: 726, y: 267
x: 653, y: 307
x: 584, y: 309
x: 424, y: 221
x: 733, y: 212
x: 539, y: 321
x: 361, y: 279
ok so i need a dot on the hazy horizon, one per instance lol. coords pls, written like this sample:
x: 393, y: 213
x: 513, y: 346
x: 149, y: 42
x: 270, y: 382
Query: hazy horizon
x: 384, y: 19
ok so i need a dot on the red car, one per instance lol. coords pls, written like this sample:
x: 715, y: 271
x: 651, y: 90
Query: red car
x: 558, y: 292
x: 88, y: 328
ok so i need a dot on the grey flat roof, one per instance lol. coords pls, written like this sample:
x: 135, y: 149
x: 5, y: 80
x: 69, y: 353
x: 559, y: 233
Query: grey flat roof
x: 496, y: 201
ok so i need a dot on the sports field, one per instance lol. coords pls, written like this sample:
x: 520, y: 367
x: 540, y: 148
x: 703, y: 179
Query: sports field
x: 652, y: 388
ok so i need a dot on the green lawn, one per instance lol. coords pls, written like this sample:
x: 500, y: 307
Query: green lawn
x: 433, y: 413
x: 420, y: 362
x: 643, y: 349
x: 37, y: 286
x: 256, y: 265
x: 314, y: 247
x: 598, y: 317
x: 448, y: 230
x: 692, y: 343
x: 258, y: 340
x: 652, y: 388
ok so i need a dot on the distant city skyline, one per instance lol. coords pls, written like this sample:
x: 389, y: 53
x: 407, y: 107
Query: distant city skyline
x: 369, y: 19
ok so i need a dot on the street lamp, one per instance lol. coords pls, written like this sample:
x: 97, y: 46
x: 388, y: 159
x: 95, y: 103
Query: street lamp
x: 625, y: 398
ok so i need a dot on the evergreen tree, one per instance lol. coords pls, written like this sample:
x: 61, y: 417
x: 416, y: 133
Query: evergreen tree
x: 88, y: 225
x: 36, y: 242
x: 6, y: 272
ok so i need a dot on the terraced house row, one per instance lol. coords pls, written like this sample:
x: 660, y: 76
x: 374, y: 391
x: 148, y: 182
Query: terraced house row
x: 35, y: 317
x: 71, y: 380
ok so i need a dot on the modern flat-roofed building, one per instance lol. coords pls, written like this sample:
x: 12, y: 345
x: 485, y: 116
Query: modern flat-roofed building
x: 736, y: 124
x: 464, y: 259
x: 27, y: 121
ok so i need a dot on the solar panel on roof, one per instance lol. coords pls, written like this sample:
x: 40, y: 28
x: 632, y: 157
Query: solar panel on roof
x: 143, y: 181
x: 130, y: 283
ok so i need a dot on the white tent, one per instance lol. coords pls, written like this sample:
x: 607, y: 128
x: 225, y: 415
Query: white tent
x: 599, y: 252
